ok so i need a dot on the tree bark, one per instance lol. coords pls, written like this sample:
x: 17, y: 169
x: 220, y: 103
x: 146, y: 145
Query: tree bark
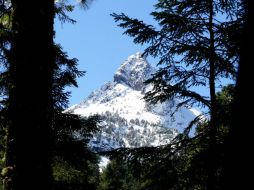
x: 239, y: 160
x: 211, y: 181
x: 28, y: 157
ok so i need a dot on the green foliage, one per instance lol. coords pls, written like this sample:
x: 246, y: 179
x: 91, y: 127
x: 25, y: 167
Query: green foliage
x: 181, y: 165
x: 193, y: 165
x: 117, y: 176
x: 69, y: 177
x: 71, y: 134
x: 196, y: 47
x: 2, y: 143
x: 73, y: 151
x: 225, y: 100
x: 74, y: 164
x: 185, y: 45
x: 65, y: 75
x: 61, y: 10
x: 63, y: 7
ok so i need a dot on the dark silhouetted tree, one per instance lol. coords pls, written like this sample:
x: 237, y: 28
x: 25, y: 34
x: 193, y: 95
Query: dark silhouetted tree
x: 195, y: 47
x: 27, y: 90
x: 183, y: 165
x: 239, y: 160
x: 69, y: 152
x: 117, y: 176
x: 30, y: 107
x: 74, y: 164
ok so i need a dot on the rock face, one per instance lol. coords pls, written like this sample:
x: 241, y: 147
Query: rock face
x: 133, y: 72
x: 127, y: 120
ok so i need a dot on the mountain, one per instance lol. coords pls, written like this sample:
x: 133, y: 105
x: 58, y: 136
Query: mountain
x: 127, y: 120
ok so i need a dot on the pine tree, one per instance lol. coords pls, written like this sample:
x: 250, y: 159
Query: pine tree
x: 195, y: 47
x: 74, y: 163
x: 186, y: 168
x: 239, y: 163
x: 117, y: 176
x: 75, y: 166
x: 192, y: 166
x: 30, y: 99
x: 184, y: 44
x: 27, y: 88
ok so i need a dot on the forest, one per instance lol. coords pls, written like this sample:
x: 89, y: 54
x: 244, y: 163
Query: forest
x: 198, y: 43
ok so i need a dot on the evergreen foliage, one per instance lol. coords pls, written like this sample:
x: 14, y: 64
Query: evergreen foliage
x: 195, y: 47
x: 117, y: 131
x: 197, y: 43
x: 176, y: 166
x: 182, y: 42
x: 65, y: 75
x: 65, y: 125
x: 75, y: 166
x: 117, y: 176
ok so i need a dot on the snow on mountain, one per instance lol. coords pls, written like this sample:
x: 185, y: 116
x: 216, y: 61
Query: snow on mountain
x: 127, y: 120
x: 133, y: 72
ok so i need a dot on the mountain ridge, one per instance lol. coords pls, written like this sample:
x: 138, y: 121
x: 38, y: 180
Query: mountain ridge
x: 127, y: 119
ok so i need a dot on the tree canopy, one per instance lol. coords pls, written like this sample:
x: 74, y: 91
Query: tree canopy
x: 197, y: 46
x: 31, y: 114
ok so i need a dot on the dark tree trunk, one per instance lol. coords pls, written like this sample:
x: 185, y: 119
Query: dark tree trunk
x: 30, y: 102
x: 239, y: 159
x: 211, y: 181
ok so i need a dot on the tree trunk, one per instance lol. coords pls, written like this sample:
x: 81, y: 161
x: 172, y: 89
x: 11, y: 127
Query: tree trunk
x: 211, y: 181
x: 239, y: 159
x: 28, y: 157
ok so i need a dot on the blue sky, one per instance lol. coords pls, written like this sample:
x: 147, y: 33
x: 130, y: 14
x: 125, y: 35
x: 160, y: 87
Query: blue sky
x: 97, y: 42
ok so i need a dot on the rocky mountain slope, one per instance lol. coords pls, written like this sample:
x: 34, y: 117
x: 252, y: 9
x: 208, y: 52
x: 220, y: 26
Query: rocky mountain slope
x: 127, y: 120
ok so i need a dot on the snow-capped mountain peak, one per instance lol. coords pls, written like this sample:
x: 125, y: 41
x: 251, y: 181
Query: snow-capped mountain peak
x: 127, y: 119
x: 134, y: 71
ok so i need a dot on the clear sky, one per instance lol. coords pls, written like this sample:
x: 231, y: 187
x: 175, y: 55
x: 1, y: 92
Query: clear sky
x: 97, y: 42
